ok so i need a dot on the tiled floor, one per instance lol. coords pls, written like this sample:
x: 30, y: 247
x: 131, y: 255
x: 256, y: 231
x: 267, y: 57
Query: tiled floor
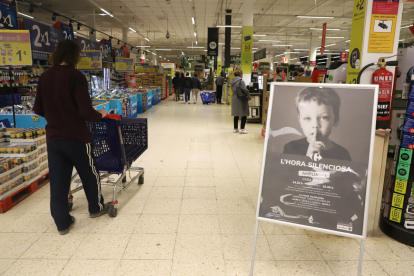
x: 195, y: 215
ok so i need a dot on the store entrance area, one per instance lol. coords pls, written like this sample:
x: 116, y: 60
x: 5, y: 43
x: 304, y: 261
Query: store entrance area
x: 195, y: 215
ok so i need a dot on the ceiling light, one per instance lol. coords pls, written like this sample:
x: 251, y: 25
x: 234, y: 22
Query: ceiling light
x: 280, y: 55
x: 132, y: 30
x: 107, y: 12
x: 348, y: 41
x: 293, y: 59
x: 304, y: 57
x: 270, y: 40
x: 196, y: 42
x: 229, y: 26
x: 182, y: 53
x: 255, y: 48
x: 146, y: 39
x: 333, y: 37
x: 347, y: 50
x: 401, y: 40
x: 221, y: 43
x: 164, y: 49
x: 205, y: 50
x: 235, y: 48
x: 26, y: 15
x: 195, y: 47
x: 302, y: 50
x: 54, y: 17
x: 282, y: 45
x: 195, y: 34
x: 160, y: 56
x: 320, y: 29
x: 316, y: 17
x: 292, y: 52
x: 75, y: 32
x: 192, y: 18
x: 97, y: 40
x: 258, y: 35
x: 143, y: 46
x: 406, y: 26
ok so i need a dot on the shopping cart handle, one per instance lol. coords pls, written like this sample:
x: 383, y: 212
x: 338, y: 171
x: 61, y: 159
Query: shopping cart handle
x: 114, y: 117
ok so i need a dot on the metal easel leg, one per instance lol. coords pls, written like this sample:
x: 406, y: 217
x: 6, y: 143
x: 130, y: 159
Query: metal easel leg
x: 254, y: 248
x: 361, y: 257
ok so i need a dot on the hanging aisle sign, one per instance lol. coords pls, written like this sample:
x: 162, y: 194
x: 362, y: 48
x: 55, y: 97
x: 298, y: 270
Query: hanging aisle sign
x: 118, y: 53
x: 355, y: 45
x: 213, y: 42
x: 247, y: 48
x: 106, y: 50
x: 261, y: 54
x: 8, y: 16
x: 124, y: 64
x: 15, y: 47
x: 66, y: 30
x: 85, y: 44
x: 90, y: 61
x: 43, y: 38
x: 141, y: 67
x: 323, y: 39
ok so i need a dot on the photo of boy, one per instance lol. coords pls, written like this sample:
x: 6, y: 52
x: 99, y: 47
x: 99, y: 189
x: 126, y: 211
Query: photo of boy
x: 318, y: 113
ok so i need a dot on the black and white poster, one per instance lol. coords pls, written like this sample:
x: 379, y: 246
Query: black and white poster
x: 213, y: 42
x: 318, y: 157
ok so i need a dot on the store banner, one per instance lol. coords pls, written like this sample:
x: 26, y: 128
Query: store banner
x: 383, y: 25
x: 66, y: 30
x: 106, y: 50
x: 15, y: 47
x: 302, y: 184
x: 151, y: 69
x: 355, y: 45
x: 90, y: 61
x: 219, y: 68
x: 261, y: 54
x: 43, y: 38
x: 141, y: 67
x: 213, y: 42
x: 8, y: 16
x: 124, y: 64
x: 85, y: 44
x: 247, y: 48
x: 323, y: 39
x: 118, y: 53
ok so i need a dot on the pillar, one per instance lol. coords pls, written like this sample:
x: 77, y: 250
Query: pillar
x: 91, y: 23
x: 125, y: 34
x: 227, y: 39
x: 314, y: 45
x: 247, y: 46
x: 154, y: 57
x: 287, y: 53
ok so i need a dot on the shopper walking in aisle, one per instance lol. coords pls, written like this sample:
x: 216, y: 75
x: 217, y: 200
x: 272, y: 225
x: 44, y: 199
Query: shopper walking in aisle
x: 196, y: 87
x: 177, y: 86
x: 63, y: 99
x: 188, y: 85
x: 239, y: 108
x: 220, y: 82
x: 182, y: 77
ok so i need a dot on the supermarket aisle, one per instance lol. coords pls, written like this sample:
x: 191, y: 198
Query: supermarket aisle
x: 193, y: 216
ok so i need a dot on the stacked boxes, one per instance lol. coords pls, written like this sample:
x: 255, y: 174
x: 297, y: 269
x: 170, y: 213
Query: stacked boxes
x: 138, y: 80
x: 151, y: 80
x: 145, y: 80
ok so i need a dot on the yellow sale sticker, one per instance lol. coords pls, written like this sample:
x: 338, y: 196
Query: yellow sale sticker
x: 400, y: 186
x: 15, y: 47
x: 397, y: 200
x: 395, y: 214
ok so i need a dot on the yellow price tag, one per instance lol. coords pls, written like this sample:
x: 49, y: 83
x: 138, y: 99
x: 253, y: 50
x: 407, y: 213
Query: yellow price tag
x: 16, y: 48
x: 35, y: 118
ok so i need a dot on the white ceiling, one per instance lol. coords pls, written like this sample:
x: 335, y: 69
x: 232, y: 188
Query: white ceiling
x: 275, y: 18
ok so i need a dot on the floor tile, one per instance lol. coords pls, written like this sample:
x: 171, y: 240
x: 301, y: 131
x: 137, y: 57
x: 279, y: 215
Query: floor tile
x: 15, y: 244
x: 170, y: 181
x: 380, y: 251
x: 261, y: 268
x: 167, y: 192
x: 346, y: 268
x: 5, y: 264
x: 199, y: 192
x: 90, y: 267
x: 293, y: 247
x: 144, y: 268
x: 193, y: 248
x: 215, y: 268
x: 150, y: 247
x: 131, y: 205
x: 102, y: 247
x: 238, y: 224
x: 156, y: 224
x: 199, y: 206
x: 229, y: 172
x: 199, y: 181
x: 168, y: 172
x: 200, y: 172
x: 162, y: 206
x: 235, y: 207
x: 231, y: 192
x: 36, y: 267
x: 83, y: 224
x: 31, y: 222
x: 239, y: 248
x: 398, y: 268
x: 199, y: 165
x: 121, y: 224
x: 199, y: 224
x: 304, y: 268
x: 229, y: 181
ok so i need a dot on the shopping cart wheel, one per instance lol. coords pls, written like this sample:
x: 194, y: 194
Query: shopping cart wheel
x: 124, y: 179
x: 112, y: 211
x: 141, y: 180
x: 70, y: 205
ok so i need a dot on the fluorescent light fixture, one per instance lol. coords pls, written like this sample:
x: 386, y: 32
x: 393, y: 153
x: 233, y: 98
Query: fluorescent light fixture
x: 348, y: 41
x: 143, y: 46
x: 107, y: 12
x: 164, y: 49
x: 146, y: 39
x: 320, y: 29
x: 294, y: 59
x: 235, y: 48
x: 75, y: 32
x: 401, y: 40
x: 280, y: 55
x: 132, y: 30
x: 333, y: 37
x: 270, y: 40
x: 347, y: 50
x: 195, y: 34
x: 258, y: 35
x: 255, y: 48
x: 302, y: 50
x: 195, y: 47
x: 322, y: 58
x: 406, y: 26
x: 298, y: 62
x: 229, y: 26
x: 282, y: 45
x: 182, y: 53
x: 326, y: 46
x: 292, y: 52
x: 97, y: 40
x: 316, y: 17
x: 26, y: 15
x: 222, y: 44
x: 192, y: 18
x: 196, y: 42
x: 160, y: 56
x: 304, y: 57
x: 205, y: 50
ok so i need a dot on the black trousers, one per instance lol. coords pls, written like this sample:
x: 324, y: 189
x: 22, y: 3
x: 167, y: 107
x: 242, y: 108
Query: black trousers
x: 243, y: 122
x: 63, y: 155
x: 219, y: 93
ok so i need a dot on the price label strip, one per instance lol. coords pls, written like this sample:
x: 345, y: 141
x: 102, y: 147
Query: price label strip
x: 15, y: 47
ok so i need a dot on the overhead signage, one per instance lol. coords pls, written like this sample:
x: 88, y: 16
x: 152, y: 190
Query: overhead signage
x: 107, y: 50
x: 43, y: 38
x: 124, y: 64
x: 213, y: 42
x: 285, y: 59
x: 90, y: 61
x: 66, y: 30
x: 141, y: 67
x: 118, y: 53
x: 247, y: 48
x: 219, y: 68
x: 8, y: 16
x: 15, y: 47
x: 383, y: 25
x: 323, y: 189
x: 195, y: 58
x: 85, y: 44
x: 261, y: 54
x: 355, y: 45
x: 323, y: 39
x: 153, y: 69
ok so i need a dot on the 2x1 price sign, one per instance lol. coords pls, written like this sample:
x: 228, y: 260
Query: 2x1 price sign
x: 15, y: 47
x: 43, y: 38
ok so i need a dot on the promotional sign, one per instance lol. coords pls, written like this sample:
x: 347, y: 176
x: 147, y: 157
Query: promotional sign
x: 90, y: 61
x: 8, y: 16
x: 212, y: 42
x: 43, y: 38
x: 118, y: 53
x: 323, y: 39
x: 355, y: 45
x: 344, y: 56
x: 85, y: 44
x: 247, y: 48
x: 261, y: 54
x: 305, y: 185
x: 106, y: 50
x: 219, y: 68
x: 383, y: 25
x: 153, y: 69
x: 97, y: 46
x: 66, y: 30
x: 285, y: 59
x: 141, y: 67
x: 124, y: 64
x: 15, y: 47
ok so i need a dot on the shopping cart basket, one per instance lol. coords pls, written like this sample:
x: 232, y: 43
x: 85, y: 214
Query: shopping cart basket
x: 116, y: 145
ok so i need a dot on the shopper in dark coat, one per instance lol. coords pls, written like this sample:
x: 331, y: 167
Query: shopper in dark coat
x: 196, y: 87
x: 220, y: 82
x: 188, y: 85
x: 177, y: 84
x: 63, y: 99
x: 182, y: 83
x: 239, y: 108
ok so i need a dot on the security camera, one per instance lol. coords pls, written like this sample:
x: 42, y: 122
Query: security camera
x: 167, y: 35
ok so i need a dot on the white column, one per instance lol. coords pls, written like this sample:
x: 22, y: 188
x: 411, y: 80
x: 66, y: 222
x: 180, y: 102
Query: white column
x: 287, y: 51
x: 125, y: 34
x: 314, y: 44
x: 328, y: 61
x: 91, y: 23
x: 248, y: 8
x: 154, y: 57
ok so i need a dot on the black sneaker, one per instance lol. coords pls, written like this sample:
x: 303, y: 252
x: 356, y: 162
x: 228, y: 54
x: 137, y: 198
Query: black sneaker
x: 64, y: 232
x: 102, y: 212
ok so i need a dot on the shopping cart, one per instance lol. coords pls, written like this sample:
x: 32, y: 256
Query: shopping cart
x: 208, y: 97
x: 116, y: 145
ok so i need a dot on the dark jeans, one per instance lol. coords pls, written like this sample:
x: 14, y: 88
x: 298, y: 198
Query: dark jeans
x: 177, y: 92
x: 236, y: 122
x: 219, y: 93
x: 187, y: 92
x: 63, y: 155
